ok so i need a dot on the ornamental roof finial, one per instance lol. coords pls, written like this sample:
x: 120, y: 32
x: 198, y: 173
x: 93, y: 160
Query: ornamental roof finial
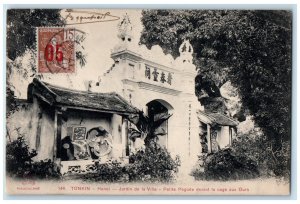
x: 125, y: 29
x: 186, y: 51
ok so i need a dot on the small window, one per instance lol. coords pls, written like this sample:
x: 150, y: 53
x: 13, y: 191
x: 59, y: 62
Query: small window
x: 131, y: 71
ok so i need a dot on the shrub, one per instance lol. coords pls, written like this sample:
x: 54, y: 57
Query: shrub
x: 19, y: 163
x: 108, y: 172
x: 255, y: 149
x: 270, y: 161
x: 43, y: 170
x: 154, y: 164
x: 226, y: 165
x: 18, y: 156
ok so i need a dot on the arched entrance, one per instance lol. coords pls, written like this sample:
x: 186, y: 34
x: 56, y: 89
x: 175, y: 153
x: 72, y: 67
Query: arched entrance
x: 156, y: 109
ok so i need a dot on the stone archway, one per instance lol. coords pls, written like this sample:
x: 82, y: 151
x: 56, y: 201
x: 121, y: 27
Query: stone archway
x: 155, y: 109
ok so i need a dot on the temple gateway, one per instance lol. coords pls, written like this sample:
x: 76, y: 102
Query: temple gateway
x: 76, y: 128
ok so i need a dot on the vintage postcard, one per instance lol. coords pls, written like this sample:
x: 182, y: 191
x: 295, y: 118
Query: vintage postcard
x: 148, y: 102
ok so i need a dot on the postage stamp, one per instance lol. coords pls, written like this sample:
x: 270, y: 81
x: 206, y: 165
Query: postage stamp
x: 56, y: 50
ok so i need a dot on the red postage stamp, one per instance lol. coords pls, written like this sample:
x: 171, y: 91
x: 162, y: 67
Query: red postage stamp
x: 56, y: 50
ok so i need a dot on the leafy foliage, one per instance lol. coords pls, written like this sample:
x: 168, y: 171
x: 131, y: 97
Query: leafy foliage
x: 253, y: 152
x: 21, y: 39
x: 270, y: 161
x: 226, y: 165
x: 11, y: 104
x: 147, y: 127
x: 250, y: 48
x: 21, y: 24
x: 154, y: 164
x: 19, y: 163
x: 18, y: 155
x: 43, y: 170
x: 108, y: 172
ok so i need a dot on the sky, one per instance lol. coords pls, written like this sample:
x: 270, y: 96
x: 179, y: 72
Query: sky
x: 100, y: 39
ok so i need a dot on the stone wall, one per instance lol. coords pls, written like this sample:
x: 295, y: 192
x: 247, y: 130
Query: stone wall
x: 35, y: 122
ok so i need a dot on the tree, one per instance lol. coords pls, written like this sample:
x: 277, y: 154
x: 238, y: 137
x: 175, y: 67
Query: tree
x: 21, y: 32
x: 21, y: 28
x: 251, y: 49
x: 147, y: 128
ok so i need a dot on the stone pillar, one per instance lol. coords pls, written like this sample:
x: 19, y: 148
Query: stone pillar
x: 208, y: 138
x: 230, y: 135
x: 125, y: 138
x: 39, y: 131
x: 57, y: 134
x: 195, y: 143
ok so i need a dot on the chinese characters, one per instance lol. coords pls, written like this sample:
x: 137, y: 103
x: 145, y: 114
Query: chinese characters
x: 158, y: 76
